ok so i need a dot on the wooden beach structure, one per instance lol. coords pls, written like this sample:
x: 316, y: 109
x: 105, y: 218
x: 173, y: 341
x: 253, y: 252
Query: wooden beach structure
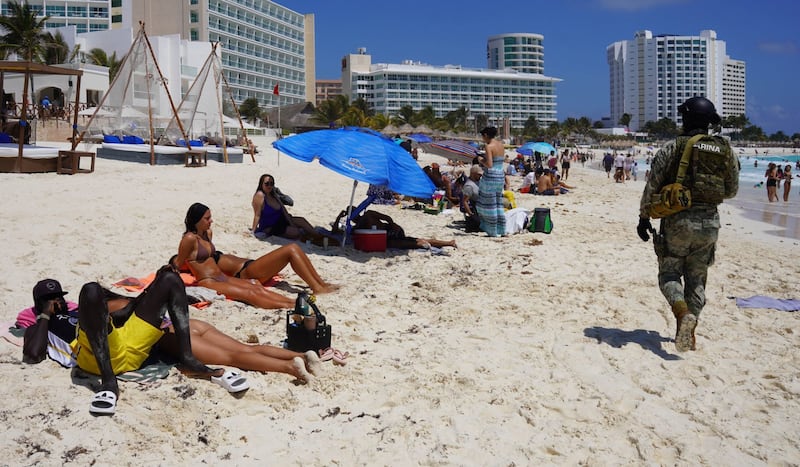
x: 25, y: 158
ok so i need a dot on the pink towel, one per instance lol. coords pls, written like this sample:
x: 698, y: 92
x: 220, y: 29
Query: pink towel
x: 27, y: 317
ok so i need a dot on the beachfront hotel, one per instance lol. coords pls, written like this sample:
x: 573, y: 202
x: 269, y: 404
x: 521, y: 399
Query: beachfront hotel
x: 85, y: 15
x: 650, y: 76
x: 507, y: 97
x: 263, y: 43
x: 520, y: 51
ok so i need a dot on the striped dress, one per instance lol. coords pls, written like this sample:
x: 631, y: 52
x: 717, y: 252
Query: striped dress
x: 490, y: 199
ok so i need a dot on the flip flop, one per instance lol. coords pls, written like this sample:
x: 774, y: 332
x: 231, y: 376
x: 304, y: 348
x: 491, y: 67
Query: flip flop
x: 339, y: 357
x: 103, y: 403
x: 231, y: 381
x: 326, y: 354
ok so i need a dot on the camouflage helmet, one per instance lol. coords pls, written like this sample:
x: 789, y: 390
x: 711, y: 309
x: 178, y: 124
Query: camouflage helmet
x: 699, y: 110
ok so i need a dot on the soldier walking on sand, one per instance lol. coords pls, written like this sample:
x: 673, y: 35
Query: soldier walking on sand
x: 687, y: 239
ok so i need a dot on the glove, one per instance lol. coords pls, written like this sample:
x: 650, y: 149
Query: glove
x: 643, y: 228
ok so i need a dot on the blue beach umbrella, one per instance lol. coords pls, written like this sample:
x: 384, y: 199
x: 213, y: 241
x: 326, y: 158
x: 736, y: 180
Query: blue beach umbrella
x: 420, y: 138
x: 541, y: 147
x: 363, y: 155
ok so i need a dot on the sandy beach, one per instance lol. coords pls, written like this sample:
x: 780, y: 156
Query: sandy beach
x: 528, y: 350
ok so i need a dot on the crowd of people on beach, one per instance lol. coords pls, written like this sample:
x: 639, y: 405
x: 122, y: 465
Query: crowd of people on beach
x: 113, y: 334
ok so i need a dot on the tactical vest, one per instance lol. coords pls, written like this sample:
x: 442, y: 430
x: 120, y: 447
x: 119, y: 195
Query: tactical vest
x: 710, y: 163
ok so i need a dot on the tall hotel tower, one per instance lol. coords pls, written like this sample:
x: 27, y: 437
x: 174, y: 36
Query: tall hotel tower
x: 650, y: 76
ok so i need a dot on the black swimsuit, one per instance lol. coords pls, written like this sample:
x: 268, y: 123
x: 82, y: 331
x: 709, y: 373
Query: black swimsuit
x: 244, y: 266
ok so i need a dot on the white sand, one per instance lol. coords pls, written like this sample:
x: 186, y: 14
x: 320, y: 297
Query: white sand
x: 502, y: 353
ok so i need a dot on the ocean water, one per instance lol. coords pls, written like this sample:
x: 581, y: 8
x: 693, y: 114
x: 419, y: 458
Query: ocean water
x: 754, y: 168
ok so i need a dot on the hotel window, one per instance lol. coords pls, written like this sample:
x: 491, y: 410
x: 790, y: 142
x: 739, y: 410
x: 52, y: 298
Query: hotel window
x: 193, y: 17
x: 76, y: 12
x: 116, y: 3
x: 55, y: 10
x: 193, y: 35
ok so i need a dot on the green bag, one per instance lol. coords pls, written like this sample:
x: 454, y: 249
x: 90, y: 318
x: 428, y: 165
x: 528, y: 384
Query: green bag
x: 541, y: 221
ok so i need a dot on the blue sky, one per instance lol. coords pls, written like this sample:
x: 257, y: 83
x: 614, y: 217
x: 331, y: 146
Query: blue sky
x: 765, y: 34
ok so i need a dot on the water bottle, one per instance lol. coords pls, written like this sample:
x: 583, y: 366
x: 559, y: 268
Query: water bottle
x: 301, y: 304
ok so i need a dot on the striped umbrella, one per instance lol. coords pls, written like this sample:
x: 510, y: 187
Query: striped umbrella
x: 452, y: 149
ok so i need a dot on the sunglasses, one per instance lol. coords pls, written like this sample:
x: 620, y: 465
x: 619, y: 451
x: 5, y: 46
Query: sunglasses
x: 269, y: 183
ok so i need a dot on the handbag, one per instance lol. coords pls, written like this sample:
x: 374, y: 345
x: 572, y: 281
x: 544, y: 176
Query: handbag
x: 300, y: 339
x: 674, y: 197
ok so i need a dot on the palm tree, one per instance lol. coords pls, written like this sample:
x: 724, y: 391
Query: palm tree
x: 24, y: 33
x: 250, y: 110
x: 331, y: 111
x: 404, y: 115
x: 57, y: 50
x: 362, y: 105
x: 354, y: 117
x: 378, y: 122
x: 99, y: 57
x: 426, y: 116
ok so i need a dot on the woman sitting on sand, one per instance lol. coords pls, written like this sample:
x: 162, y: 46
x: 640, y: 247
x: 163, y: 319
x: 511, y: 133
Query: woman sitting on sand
x: 241, y: 278
x: 270, y: 216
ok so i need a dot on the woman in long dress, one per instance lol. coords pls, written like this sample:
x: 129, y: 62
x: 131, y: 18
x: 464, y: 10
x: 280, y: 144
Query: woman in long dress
x: 490, y: 196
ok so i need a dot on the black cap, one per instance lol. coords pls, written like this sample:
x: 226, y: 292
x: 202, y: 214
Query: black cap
x: 46, y: 289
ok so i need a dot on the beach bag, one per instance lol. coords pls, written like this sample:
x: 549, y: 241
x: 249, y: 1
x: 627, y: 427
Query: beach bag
x: 675, y: 197
x: 300, y: 339
x: 541, y: 221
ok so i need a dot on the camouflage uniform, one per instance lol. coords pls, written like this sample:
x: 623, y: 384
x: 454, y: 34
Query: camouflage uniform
x: 687, y: 240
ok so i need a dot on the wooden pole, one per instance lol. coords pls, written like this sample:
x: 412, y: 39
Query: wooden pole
x: 148, y: 78
x: 23, y: 114
x: 238, y: 117
x: 164, y: 81
x: 75, y: 113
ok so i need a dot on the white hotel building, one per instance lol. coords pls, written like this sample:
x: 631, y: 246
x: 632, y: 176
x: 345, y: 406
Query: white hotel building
x: 650, y: 76
x: 262, y: 42
x: 501, y: 95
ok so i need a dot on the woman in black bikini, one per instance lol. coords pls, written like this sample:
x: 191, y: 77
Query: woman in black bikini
x: 772, y: 182
x: 241, y: 278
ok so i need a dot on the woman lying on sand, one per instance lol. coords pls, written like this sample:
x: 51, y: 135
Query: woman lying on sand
x: 241, y: 278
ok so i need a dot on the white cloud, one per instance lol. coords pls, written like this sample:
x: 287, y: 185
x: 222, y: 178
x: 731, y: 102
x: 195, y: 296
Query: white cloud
x: 779, y: 48
x: 635, y: 5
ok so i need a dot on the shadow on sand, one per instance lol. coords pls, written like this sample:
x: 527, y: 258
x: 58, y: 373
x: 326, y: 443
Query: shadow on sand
x: 648, y: 340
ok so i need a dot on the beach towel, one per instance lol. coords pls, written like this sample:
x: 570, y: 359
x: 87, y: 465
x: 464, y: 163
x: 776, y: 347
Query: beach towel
x: 199, y: 297
x: 761, y: 301
x: 27, y: 317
